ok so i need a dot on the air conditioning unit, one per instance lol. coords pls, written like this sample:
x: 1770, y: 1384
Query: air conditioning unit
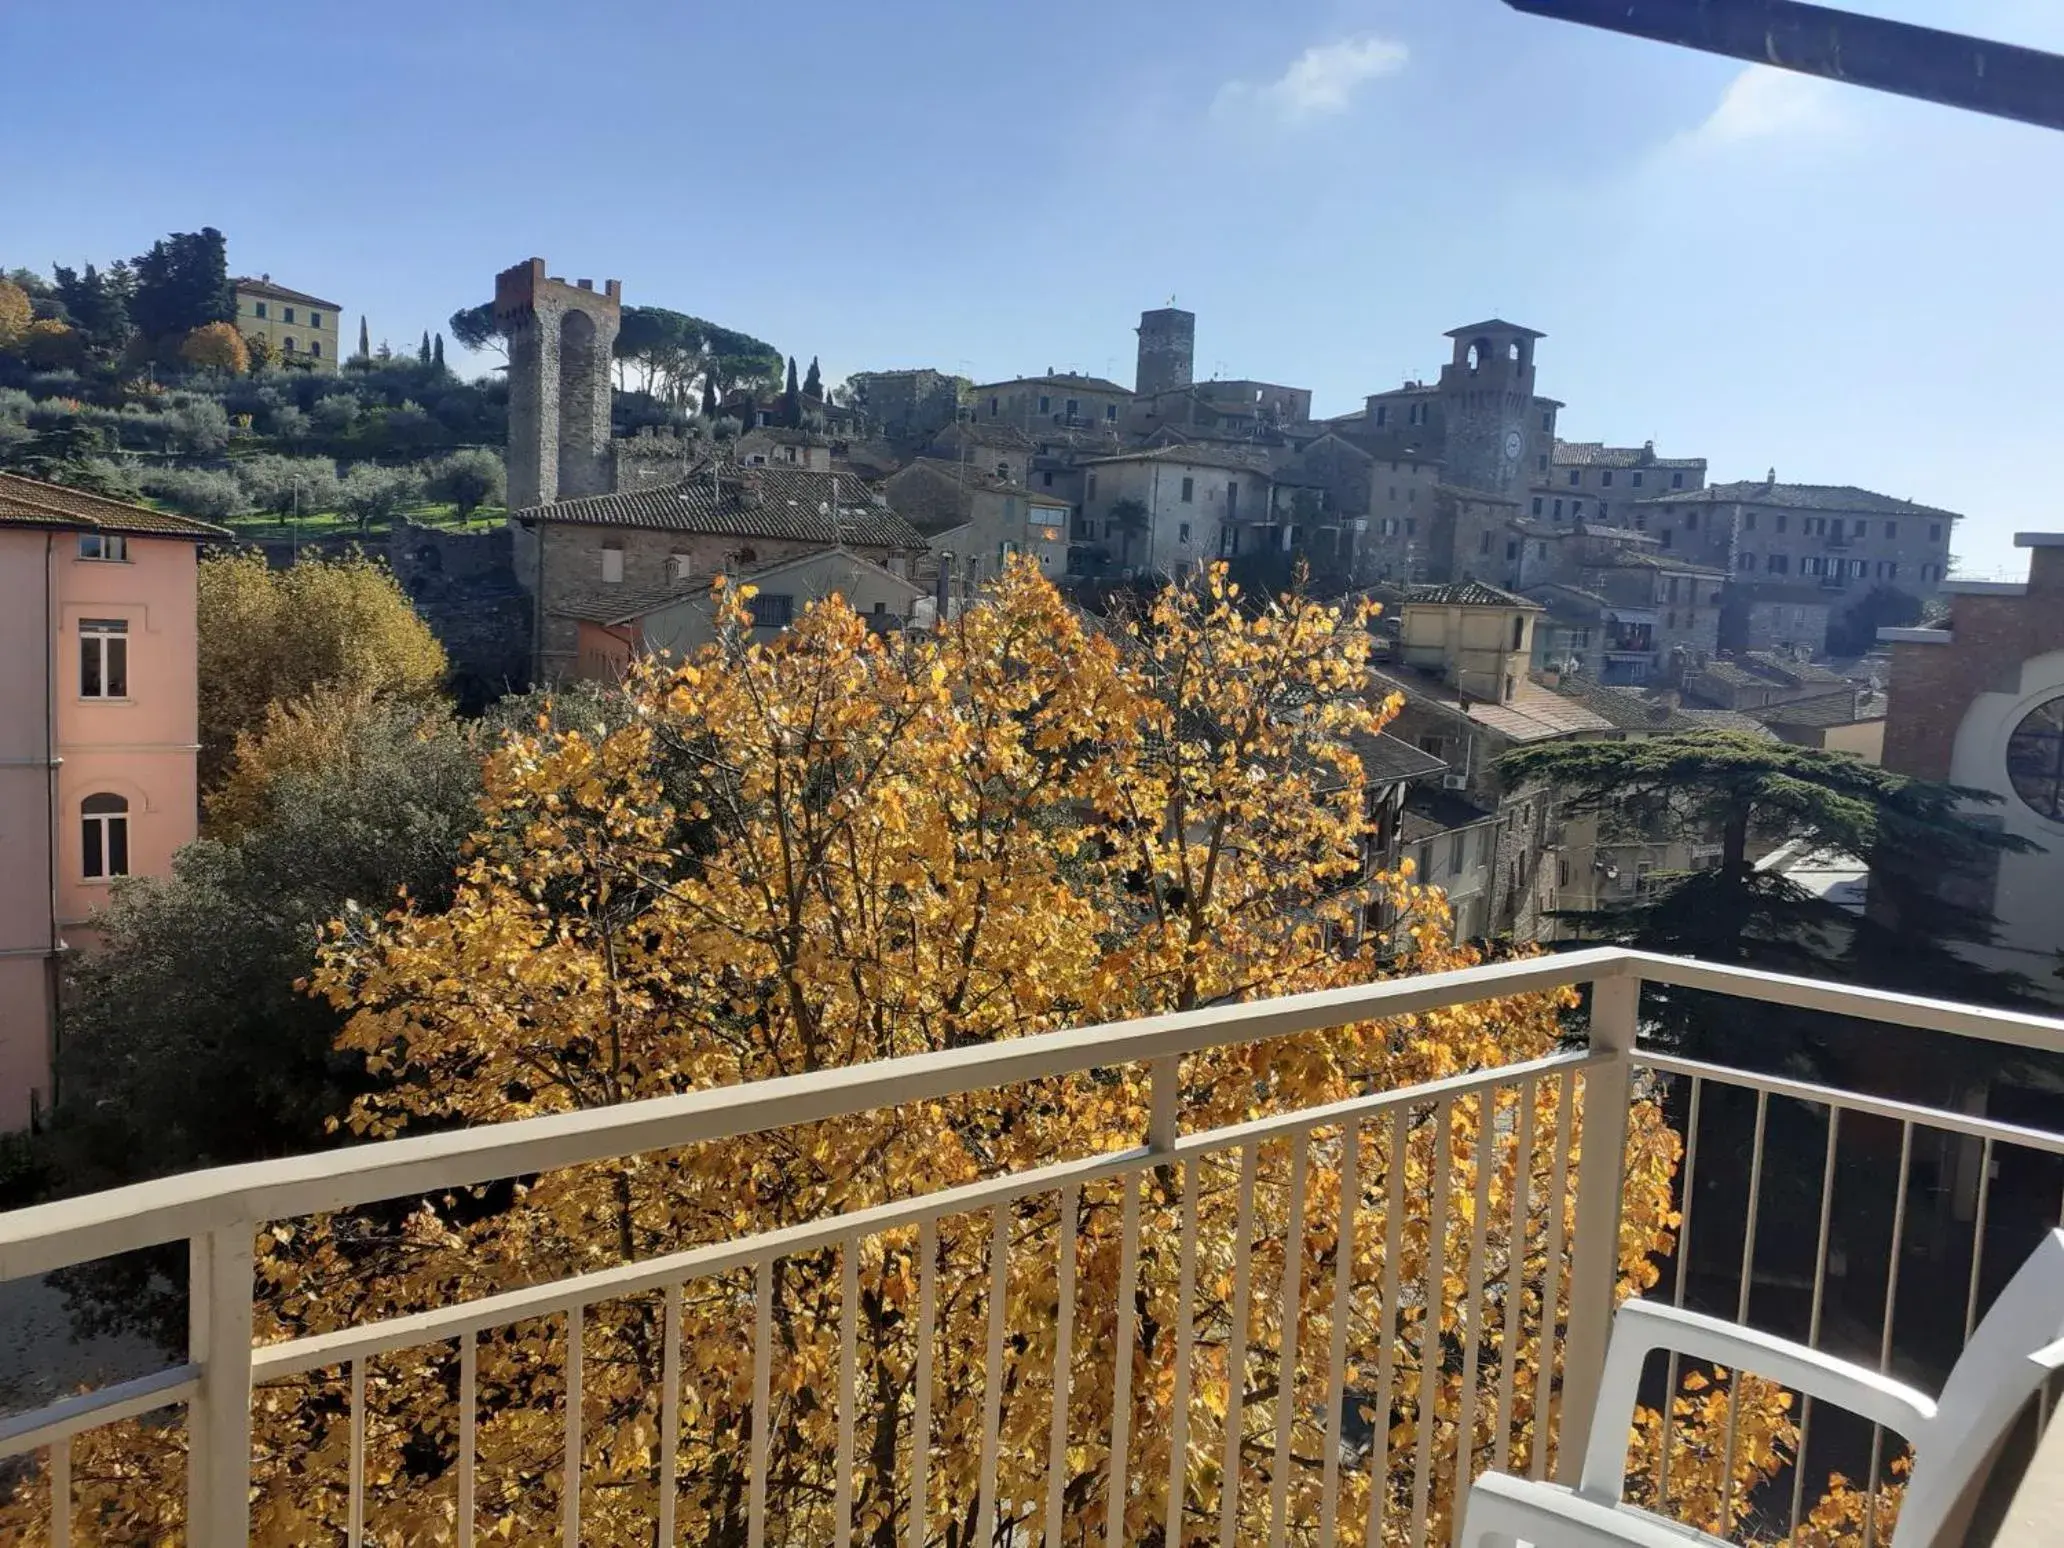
x: 1454, y: 782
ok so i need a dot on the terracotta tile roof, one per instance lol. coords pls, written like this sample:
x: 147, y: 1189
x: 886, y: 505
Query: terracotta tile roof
x: 1630, y: 560
x: 1189, y: 452
x: 980, y: 433
x: 1846, y: 498
x: 1495, y: 325
x: 265, y: 287
x: 29, y: 502
x: 614, y: 605
x: 1469, y: 593
x: 1062, y: 379
x: 769, y: 502
x: 1823, y: 709
x: 1532, y: 714
x: 1596, y: 454
x: 1762, y: 669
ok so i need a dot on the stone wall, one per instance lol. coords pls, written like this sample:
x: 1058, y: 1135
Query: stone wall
x: 465, y: 587
x: 560, y: 337
x: 1167, y: 350
x: 572, y: 572
x: 651, y: 457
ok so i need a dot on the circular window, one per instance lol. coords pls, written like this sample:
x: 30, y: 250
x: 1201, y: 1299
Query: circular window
x: 2035, y: 759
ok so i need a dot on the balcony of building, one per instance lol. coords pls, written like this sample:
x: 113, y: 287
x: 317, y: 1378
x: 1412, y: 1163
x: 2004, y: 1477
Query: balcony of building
x: 1091, y: 1348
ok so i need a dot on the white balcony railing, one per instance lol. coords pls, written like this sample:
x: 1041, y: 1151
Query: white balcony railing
x: 1399, y: 1156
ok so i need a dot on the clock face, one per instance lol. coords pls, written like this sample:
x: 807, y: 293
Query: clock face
x: 1512, y: 445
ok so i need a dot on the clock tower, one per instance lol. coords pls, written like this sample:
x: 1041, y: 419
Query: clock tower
x: 1487, y: 408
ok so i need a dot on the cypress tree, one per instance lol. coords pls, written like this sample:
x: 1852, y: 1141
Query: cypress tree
x: 423, y: 349
x: 437, y: 351
x: 792, y: 399
x: 365, y: 341
x: 813, y: 384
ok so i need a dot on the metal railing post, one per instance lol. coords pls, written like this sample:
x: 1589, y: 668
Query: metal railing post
x: 218, y: 1419
x: 1164, y: 1118
x: 1594, y: 1247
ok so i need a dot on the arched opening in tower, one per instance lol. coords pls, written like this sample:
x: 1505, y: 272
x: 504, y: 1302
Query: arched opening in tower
x: 583, y: 405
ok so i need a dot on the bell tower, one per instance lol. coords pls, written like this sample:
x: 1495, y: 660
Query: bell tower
x: 1487, y: 404
x: 560, y: 338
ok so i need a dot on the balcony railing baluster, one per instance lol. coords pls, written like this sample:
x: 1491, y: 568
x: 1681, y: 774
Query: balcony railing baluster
x: 1411, y: 1334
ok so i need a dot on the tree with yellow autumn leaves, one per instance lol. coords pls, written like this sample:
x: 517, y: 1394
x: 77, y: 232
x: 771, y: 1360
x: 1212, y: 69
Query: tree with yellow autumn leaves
x: 836, y: 848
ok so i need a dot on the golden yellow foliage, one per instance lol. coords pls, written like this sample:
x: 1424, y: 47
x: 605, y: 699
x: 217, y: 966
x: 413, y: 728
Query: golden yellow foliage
x: 16, y: 310
x: 274, y: 636
x: 218, y: 346
x: 48, y: 343
x: 832, y: 849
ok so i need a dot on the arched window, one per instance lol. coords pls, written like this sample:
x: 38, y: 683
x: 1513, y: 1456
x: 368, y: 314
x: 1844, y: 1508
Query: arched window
x: 104, y: 837
x: 287, y: 345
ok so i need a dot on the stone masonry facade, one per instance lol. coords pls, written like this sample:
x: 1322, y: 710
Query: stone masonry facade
x: 560, y: 338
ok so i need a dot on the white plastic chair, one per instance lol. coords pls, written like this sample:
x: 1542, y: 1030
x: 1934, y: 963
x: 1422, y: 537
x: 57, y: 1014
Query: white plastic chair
x: 2020, y: 1342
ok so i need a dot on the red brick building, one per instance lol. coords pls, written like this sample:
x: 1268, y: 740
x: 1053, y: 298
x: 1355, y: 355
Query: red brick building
x: 1980, y: 702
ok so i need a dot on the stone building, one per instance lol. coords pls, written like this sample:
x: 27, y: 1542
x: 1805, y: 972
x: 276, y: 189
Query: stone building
x: 615, y: 626
x: 781, y: 446
x: 1484, y: 423
x: 1460, y: 647
x: 981, y: 519
x: 718, y: 518
x: 1771, y: 616
x: 996, y: 450
x: 907, y: 405
x: 1167, y: 351
x: 1843, y: 539
x: 560, y: 337
x: 1589, y: 481
x: 1980, y: 703
x: 1057, y: 400
x: 1200, y: 502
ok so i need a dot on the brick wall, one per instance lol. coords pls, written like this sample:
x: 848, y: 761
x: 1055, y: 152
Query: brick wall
x: 573, y: 570
x: 1990, y: 636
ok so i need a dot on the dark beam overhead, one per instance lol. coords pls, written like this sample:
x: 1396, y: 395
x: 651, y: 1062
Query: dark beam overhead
x: 1947, y: 67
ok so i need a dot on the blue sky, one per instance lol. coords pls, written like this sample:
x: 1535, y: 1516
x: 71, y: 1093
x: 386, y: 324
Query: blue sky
x: 1741, y: 264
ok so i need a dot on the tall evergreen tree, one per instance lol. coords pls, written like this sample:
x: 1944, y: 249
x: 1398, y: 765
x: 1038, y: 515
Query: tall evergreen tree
x: 182, y: 284
x: 423, y: 349
x: 1749, y: 796
x: 365, y: 341
x: 97, y: 303
x: 709, y: 395
x: 437, y: 351
x: 813, y: 384
x: 792, y: 400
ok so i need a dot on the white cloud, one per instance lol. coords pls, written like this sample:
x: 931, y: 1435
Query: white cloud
x: 1320, y: 82
x: 1767, y: 104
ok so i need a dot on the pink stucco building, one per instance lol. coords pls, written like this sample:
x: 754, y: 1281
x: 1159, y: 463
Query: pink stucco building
x: 98, y: 737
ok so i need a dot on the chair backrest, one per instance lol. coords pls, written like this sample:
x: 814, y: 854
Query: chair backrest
x: 1993, y: 1380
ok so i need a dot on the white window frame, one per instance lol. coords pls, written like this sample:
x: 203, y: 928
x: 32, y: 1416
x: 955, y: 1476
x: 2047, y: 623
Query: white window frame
x: 103, y: 826
x: 104, y: 547
x: 104, y: 641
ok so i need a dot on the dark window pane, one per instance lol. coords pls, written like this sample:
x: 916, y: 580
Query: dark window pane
x: 89, y: 667
x: 118, y: 846
x: 118, y: 668
x: 93, y: 865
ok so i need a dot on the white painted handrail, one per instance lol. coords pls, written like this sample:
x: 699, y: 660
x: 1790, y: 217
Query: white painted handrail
x: 52, y: 1236
x: 218, y: 1212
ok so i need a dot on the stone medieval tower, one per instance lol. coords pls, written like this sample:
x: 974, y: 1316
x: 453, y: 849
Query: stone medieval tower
x: 1167, y: 351
x: 560, y: 338
x: 1487, y: 408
